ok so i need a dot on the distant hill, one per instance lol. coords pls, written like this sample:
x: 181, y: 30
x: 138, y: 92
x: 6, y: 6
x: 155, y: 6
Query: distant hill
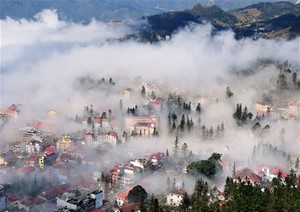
x: 167, y: 23
x: 107, y: 10
x: 285, y: 26
x: 280, y: 19
x: 266, y: 11
x: 213, y: 14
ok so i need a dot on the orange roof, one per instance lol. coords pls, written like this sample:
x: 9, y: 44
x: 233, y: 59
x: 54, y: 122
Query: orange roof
x: 42, y: 124
x: 151, y: 121
x: 8, y: 111
x: 122, y: 195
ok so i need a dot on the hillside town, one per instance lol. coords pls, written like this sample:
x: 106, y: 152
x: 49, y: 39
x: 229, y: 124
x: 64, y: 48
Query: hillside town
x: 169, y: 106
x: 82, y: 170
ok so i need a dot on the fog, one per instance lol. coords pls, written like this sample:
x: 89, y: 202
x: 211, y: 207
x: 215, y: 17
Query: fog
x: 42, y: 60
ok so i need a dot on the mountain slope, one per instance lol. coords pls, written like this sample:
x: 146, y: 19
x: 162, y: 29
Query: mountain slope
x: 167, y: 23
x: 266, y: 11
x: 213, y: 14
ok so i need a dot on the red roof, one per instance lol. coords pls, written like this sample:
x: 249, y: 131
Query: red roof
x: 8, y: 111
x: 26, y: 170
x: 43, y: 124
x: 32, y: 157
x: 30, y: 200
x: 261, y: 167
x: 292, y: 116
x: 150, y: 121
x: 247, y: 174
x: 122, y: 195
x: 157, y: 155
x: 115, y: 168
x: 49, y: 150
x: 177, y: 191
x: 294, y: 104
x: 98, y: 120
x: 12, y: 197
x: 113, y: 134
x: 89, y: 133
x: 55, y: 191
x: 276, y: 171
x: 128, y: 207
x: 155, y: 102
x: 97, y: 210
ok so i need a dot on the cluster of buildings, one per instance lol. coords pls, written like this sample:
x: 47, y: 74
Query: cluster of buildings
x: 126, y: 174
x: 58, y: 198
x: 259, y: 175
x: 287, y: 110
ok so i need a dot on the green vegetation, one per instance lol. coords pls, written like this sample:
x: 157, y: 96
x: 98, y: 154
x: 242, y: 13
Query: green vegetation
x: 213, y: 14
x: 211, y: 167
x: 137, y: 194
x: 279, y: 195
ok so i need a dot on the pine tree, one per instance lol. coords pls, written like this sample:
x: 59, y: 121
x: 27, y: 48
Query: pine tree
x: 222, y: 127
x: 203, y: 129
x: 154, y: 205
x: 176, y: 142
x: 182, y: 122
x: 143, y: 92
x: 198, y: 108
x: 228, y: 92
x: 244, y: 115
x: 185, y: 203
x: 168, y: 184
x: 174, y: 184
x: 184, y: 149
x: 211, y: 133
x: 233, y: 170
x: 121, y: 104
x: 297, y: 164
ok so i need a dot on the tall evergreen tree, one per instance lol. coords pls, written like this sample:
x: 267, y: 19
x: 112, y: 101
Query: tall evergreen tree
x: 198, y: 108
x: 176, y: 145
x: 297, y: 164
x: 143, y: 92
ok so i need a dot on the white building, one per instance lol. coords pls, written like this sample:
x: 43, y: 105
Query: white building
x: 110, y: 138
x: 33, y: 147
x: 175, y: 197
x: 72, y: 199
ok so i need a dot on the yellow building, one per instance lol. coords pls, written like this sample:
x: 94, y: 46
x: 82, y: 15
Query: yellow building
x: 2, y: 162
x: 64, y: 142
x: 127, y: 93
x: 262, y: 106
x: 41, y: 162
x: 51, y: 113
